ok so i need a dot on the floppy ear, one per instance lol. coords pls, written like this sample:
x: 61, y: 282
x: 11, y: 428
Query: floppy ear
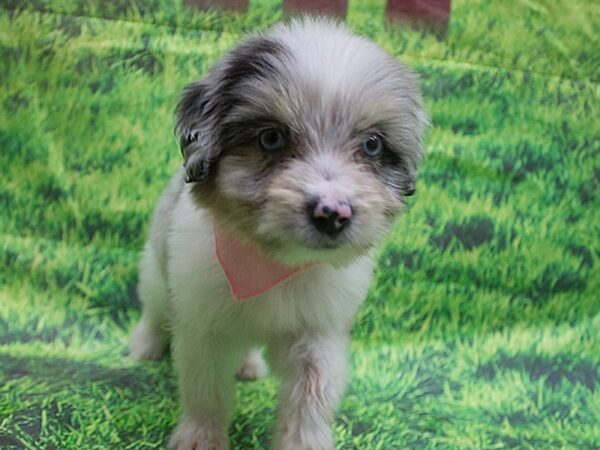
x: 414, y: 123
x: 195, y: 123
x: 205, y: 104
x: 410, y: 189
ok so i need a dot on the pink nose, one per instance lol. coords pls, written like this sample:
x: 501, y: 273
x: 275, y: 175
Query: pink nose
x: 330, y: 214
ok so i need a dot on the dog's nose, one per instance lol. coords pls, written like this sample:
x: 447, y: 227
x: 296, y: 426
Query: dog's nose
x: 330, y: 214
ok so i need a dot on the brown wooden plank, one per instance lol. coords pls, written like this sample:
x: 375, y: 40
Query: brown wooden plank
x: 429, y: 12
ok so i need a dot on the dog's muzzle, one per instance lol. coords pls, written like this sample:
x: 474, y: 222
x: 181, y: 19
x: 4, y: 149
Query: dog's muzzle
x: 330, y: 214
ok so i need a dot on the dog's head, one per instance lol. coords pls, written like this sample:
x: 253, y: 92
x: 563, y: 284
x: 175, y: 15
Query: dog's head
x: 305, y: 140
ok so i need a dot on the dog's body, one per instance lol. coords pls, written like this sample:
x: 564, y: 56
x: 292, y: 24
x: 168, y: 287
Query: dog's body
x: 310, y: 168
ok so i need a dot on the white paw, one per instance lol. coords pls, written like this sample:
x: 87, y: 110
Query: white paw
x: 305, y: 444
x: 146, y: 342
x: 191, y: 435
x: 294, y: 436
x: 253, y: 366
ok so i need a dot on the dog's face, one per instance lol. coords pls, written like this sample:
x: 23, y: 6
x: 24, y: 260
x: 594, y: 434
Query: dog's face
x: 305, y: 140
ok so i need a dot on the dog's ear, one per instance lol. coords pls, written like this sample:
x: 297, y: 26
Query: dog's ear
x: 410, y: 189
x: 411, y: 127
x: 205, y: 104
x: 195, y: 126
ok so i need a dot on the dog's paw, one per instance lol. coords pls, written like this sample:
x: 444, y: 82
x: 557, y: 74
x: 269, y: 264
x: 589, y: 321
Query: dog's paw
x: 191, y: 435
x: 305, y: 444
x: 146, y: 342
x: 253, y: 366
x: 294, y: 436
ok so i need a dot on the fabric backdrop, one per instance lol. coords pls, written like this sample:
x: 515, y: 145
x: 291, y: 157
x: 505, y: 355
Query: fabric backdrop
x: 482, y: 327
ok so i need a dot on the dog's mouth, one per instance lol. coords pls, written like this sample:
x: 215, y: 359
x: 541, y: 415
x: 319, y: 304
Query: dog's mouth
x: 324, y: 246
x: 296, y: 239
x: 326, y: 243
x: 294, y: 249
x: 276, y: 245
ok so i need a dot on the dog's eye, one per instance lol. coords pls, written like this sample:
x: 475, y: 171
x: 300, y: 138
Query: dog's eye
x: 271, y: 140
x: 373, y: 146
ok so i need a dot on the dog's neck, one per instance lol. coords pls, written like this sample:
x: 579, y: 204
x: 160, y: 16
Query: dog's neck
x: 249, y: 271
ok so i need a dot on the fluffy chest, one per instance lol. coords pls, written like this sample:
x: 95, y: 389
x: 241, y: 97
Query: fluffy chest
x: 319, y: 297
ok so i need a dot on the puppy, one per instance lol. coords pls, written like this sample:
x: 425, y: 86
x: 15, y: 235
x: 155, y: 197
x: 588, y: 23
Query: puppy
x: 299, y: 148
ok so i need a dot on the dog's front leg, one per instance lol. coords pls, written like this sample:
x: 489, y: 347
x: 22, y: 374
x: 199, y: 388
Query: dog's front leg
x: 206, y: 368
x: 313, y: 367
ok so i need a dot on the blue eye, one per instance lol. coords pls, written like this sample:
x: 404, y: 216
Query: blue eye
x: 373, y: 146
x: 271, y: 140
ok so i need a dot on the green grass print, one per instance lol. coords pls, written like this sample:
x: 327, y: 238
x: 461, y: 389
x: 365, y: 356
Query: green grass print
x: 482, y: 327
